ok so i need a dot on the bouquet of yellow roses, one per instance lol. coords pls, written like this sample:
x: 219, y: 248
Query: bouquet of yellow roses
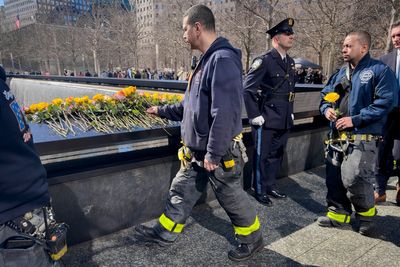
x: 125, y: 110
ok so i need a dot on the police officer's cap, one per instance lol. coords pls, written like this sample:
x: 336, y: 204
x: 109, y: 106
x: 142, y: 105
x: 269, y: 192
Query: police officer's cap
x: 285, y: 26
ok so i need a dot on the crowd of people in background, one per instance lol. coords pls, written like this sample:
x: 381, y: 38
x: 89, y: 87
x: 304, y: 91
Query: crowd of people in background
x: 136, y: 73
x: 310, y: 76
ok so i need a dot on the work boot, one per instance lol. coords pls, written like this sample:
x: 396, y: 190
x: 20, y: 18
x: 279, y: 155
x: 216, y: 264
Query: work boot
x: 398, y: 194
x: 246, y: 251
x: 149, y: 235
x: 379, y: 198
x: 366, y: 227
x: 325, y: 221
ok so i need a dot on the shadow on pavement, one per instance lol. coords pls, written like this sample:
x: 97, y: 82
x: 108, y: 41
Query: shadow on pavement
x: 203, y: 215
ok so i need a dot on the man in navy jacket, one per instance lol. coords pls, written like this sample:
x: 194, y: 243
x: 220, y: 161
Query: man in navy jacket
x: 389, y: 148
x: 365, y: 86
x: 210, y: 118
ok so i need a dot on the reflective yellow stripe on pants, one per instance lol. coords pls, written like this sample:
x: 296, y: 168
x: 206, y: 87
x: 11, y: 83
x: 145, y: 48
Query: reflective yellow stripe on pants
x: 239, y: 230
x: 170, y: 225
x: 342, y: 218
x: 369, y: 213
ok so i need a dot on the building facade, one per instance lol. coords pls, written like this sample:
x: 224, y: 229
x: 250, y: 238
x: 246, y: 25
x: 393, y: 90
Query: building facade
x: 21, y: 13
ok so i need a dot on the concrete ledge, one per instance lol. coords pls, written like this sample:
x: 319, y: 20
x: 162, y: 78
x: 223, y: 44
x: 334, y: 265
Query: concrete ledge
x: 111, y: 198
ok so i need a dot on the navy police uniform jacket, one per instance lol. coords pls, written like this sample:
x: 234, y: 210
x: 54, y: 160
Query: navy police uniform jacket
x: 275, y: 79
x: 211, y: 109
x: 371, y: 95
x: 23, y: 185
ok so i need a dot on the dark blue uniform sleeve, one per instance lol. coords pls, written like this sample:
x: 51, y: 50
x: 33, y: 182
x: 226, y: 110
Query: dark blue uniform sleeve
x: 172, y: 112
x: 329, y: 87
x: 226, y: 95
x: 383, y: 100
x: 252, y: 83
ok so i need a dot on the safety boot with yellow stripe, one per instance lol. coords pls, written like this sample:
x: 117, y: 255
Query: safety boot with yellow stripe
x: 333, y: 219
x: 149, y: 235
x: 365, y: 220
x: 324, y: 221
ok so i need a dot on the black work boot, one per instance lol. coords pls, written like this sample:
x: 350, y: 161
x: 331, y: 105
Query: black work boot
x: 149, y: 235
x: 325, y: 221
x: 366, y: 227
x: 246, y: 251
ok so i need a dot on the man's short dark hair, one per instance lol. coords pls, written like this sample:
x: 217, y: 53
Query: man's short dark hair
x: 363, y: 36
x: 202, y: 14
x: 396, y: 24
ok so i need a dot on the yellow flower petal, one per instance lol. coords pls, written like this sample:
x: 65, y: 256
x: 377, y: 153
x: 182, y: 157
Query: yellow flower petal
x: 331, y: 97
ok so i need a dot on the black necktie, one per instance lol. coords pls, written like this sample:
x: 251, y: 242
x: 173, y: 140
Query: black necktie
x: 284, y: 61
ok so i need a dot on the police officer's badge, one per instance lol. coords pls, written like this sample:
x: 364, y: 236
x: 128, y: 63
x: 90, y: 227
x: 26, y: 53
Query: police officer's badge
x: 290, y: 22
x: 256, y: 64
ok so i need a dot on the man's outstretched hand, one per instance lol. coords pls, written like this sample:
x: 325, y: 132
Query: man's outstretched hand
x: 152, y: 110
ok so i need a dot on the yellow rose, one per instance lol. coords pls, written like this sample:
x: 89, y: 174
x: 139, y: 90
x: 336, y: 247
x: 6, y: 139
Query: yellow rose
x: 331, y: 97
x: 33, y: 108
x: 57, y: 101
x: 42, y: 105
x: 129, y: 90
x: 98, y: 97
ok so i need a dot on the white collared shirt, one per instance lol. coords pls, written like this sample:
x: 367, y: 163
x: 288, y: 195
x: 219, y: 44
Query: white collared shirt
x: 283, y: 56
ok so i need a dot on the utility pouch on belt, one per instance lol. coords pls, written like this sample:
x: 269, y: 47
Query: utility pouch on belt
x: 38, y: 238
x: 57, y: 241
x: 227, y: 161
x: 184, y: 154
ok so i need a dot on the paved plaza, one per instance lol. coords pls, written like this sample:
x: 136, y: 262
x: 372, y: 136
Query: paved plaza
x: 292, y: 238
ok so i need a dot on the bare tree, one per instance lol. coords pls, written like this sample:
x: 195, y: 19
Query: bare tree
x: 394, y: 16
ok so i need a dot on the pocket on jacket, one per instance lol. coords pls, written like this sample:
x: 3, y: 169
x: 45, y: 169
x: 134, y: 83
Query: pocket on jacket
x: 200, y: 126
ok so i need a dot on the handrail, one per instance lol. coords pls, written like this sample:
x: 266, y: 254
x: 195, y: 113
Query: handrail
x: 165, y: 84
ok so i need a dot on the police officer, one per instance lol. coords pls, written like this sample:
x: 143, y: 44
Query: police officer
x: 365, y: 87
x: 211, y: 123
x: 268, y: 95
x: 389, y: 148
x: 23, y: 187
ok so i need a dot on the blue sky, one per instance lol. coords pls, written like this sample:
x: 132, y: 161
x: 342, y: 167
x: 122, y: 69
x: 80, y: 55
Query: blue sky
x: 1, y: 2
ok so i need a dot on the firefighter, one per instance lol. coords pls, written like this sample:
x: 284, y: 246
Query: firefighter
x: 210, y: 116
x: 365, y: 90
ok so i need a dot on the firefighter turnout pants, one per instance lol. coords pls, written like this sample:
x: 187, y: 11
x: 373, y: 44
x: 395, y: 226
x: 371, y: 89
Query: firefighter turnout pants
x: 348, y: 179
x: 188, y: 186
